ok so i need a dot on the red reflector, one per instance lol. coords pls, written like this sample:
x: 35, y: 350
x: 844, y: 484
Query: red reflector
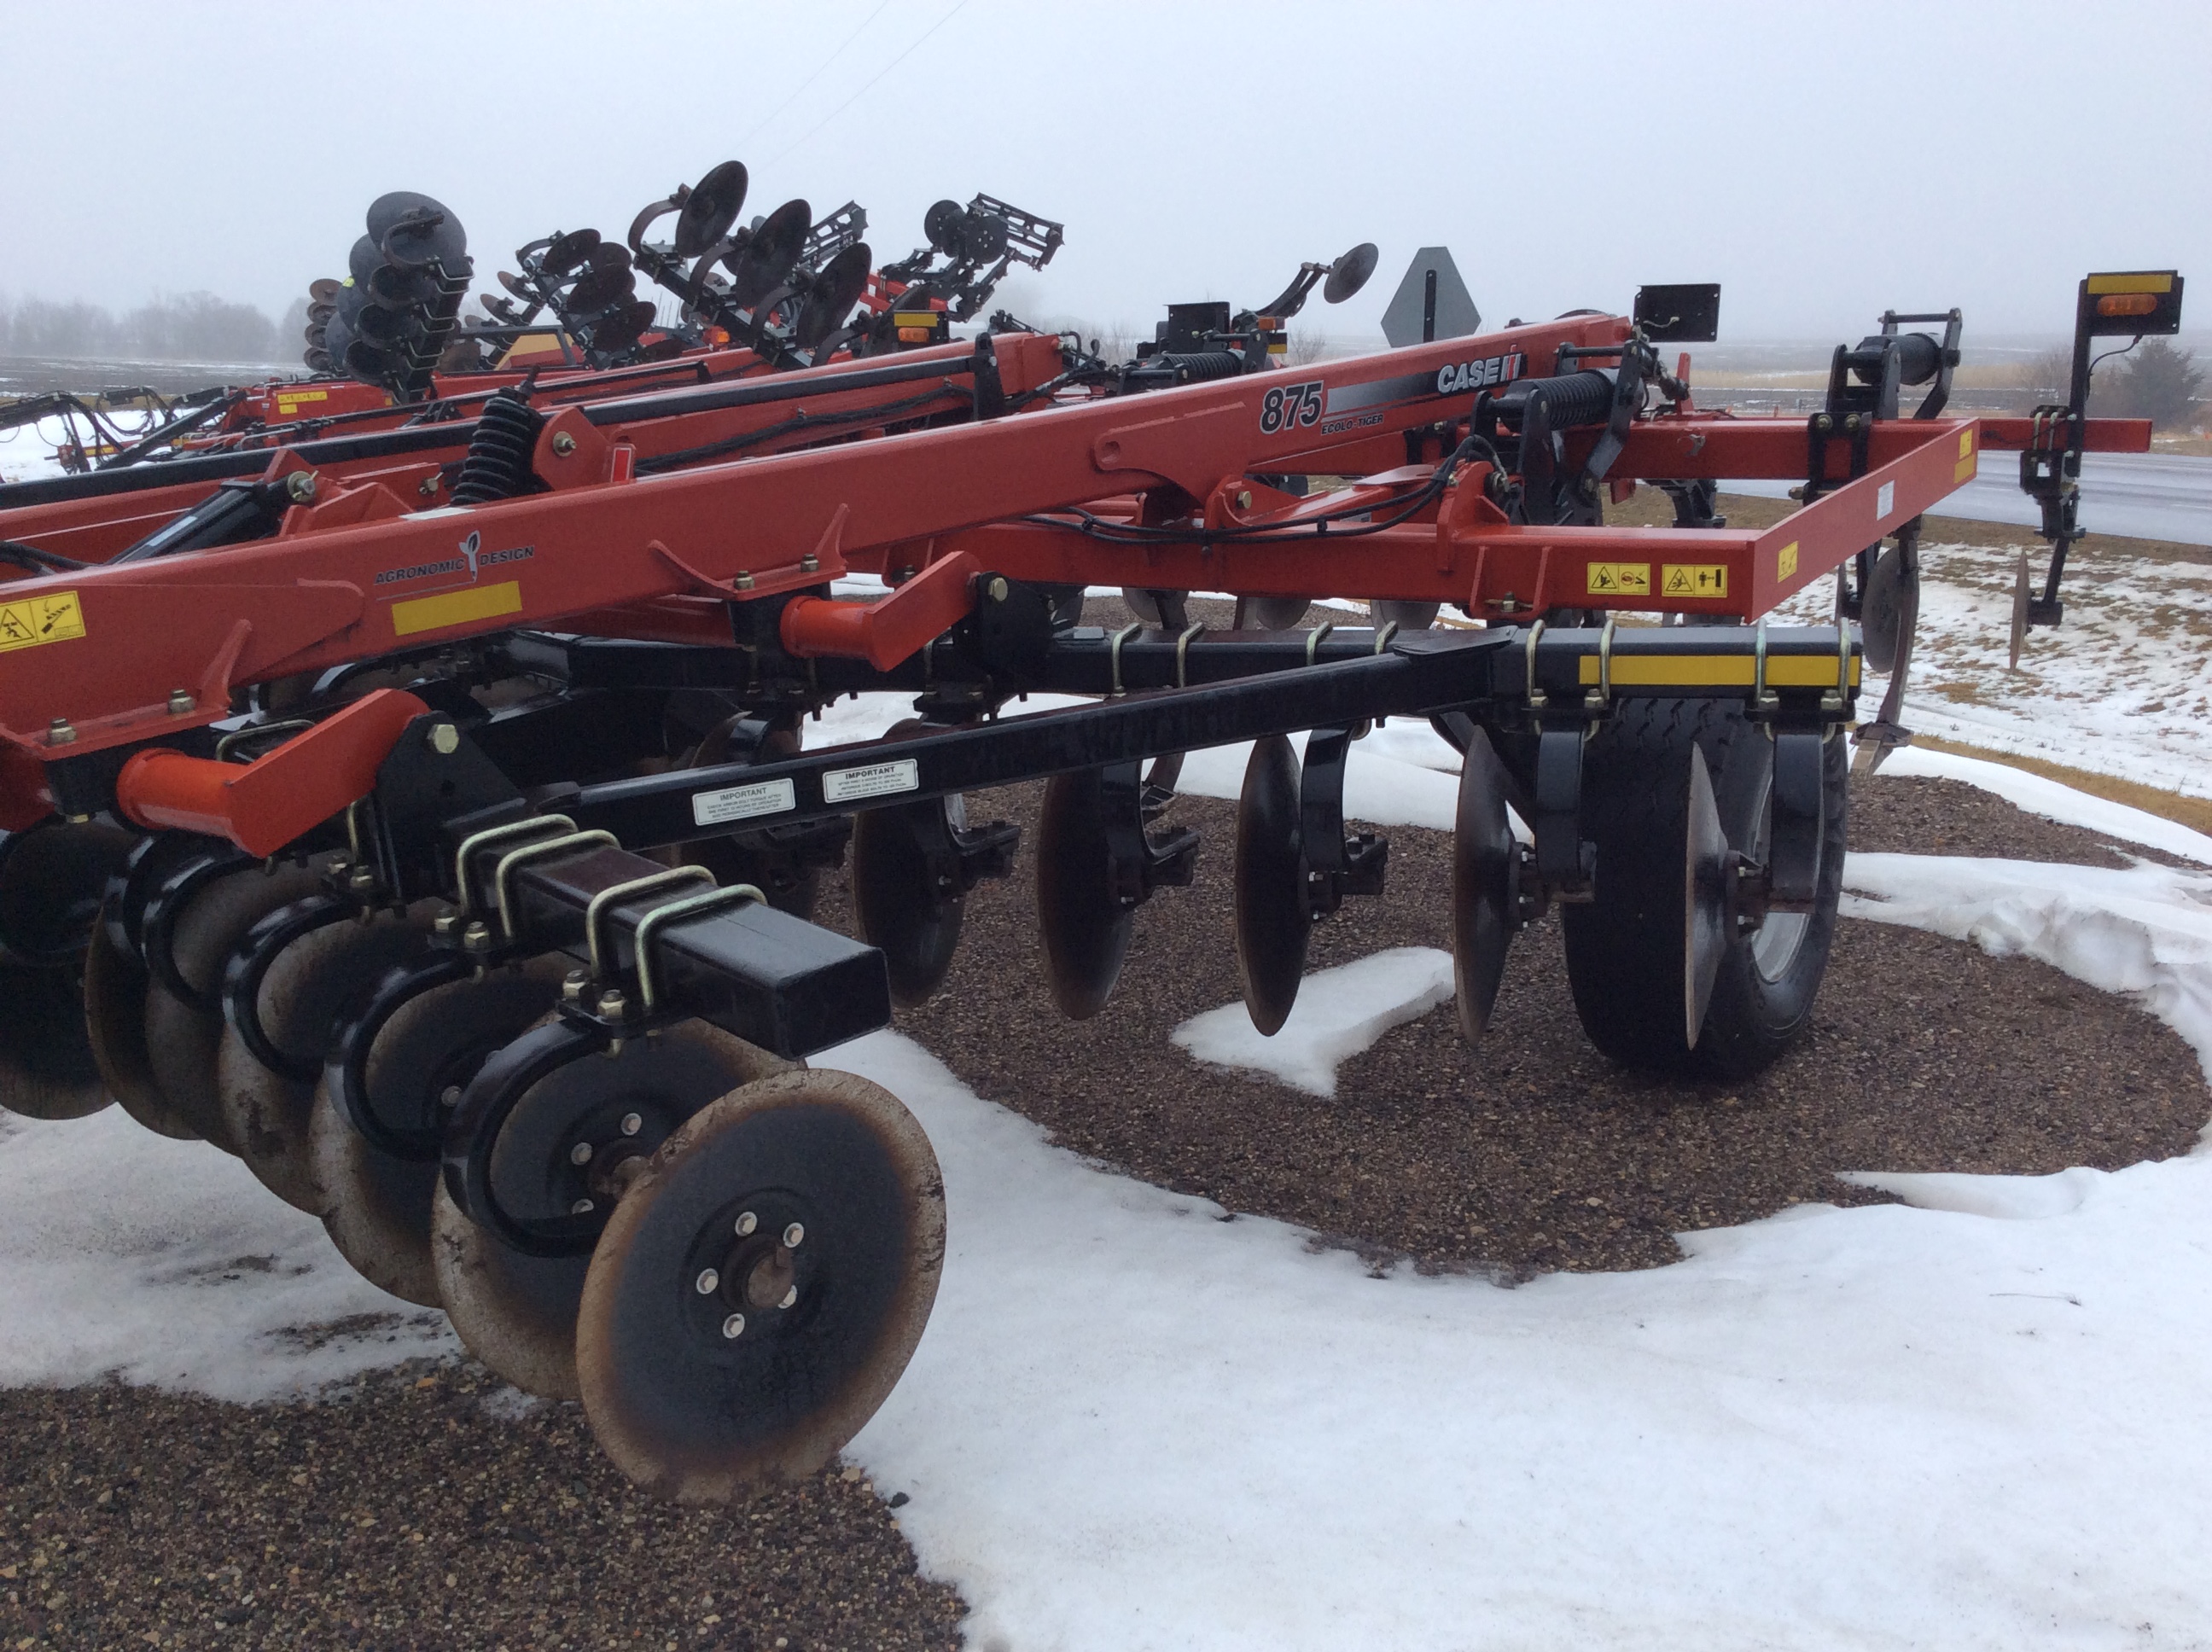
x: 2128, y: 304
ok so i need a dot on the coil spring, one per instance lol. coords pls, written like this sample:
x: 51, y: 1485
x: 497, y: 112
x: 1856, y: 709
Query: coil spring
x: 497, y: 465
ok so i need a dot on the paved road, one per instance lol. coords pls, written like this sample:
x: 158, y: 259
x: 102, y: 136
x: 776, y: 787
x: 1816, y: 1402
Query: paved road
x: 2138, y: 496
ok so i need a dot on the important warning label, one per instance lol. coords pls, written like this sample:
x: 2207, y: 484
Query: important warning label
x: 54, y: 617
x: 876, y: 780
x: 742, y: 802
x: 1694, y: 580
x: 1618, y: 580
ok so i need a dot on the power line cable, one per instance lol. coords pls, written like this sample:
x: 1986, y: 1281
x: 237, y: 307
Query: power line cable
x: 762, y: 124
x: 863, y: 90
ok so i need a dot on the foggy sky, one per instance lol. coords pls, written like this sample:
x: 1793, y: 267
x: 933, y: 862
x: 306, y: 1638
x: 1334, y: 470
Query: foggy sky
x: 1823, y: 162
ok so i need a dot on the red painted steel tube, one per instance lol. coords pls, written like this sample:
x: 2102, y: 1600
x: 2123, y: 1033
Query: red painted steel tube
x: 264, y: 804
x: 886, y: 632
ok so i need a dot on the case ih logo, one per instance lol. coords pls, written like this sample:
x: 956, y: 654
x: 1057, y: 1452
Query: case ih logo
x: 1470, y: 376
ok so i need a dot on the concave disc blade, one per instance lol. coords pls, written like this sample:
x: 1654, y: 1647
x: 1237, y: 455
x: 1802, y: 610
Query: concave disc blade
x: 596, y: 289
x: 115, y: 1022
x: 699, y: 1394
x: 376, y: 1205
x: 310, y: 990
x: 47, y: 1065
x: 414, y: 230
x: 758, y: 268
x: 566, y: 254
x: 518, y: 1313
x: 1270, y: 613
x: 1349, y: 273
x: 1084, y: 928
x: 1484, y: 857
x: 322, y: 290
x: 1272, y: 916
x: 363, y: 260
x: 183, y: 1038
x: 1406, y: 616
x: 619, y: 329
x: 1882, y: 614
x: 711, y: 207
x: 831, y: 297
x: 898, y: 905
x: 1705, y: 900
x: 941, y: 226
x: 52, y: 878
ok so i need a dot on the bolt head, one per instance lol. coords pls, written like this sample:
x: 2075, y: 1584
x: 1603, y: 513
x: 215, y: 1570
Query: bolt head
x: 446, y: 925
x: 734, y: 1327
x: 809, y: 563
x: 794, y: 1237
x: 746, y: 1223
x: 476, y: 937
x: 631, y: 1124
x: 581, y: 1153
x: 180, y: 702
x: 60, y: 732
x: 612, y: 1004
x: 581, y: 1207
x: 998, y: 589
x: 705, y: 1283
x: 428, y: 487
x: 301, y: 486
x: 573, y: 988
x: 444, y: 739
x: 1243, y: 499
x: 563, y: 443
x: 789, y: 1298
x: 450, y: 1096
x: 743, y: 581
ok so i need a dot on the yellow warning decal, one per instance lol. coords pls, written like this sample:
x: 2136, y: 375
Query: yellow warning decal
x: 1716, y: 670
x: 1785, y: 561
x: 1964, y: 469
x: 456, y: 608
x: 54, y: 617
x: 1965, y: 441
x: 1618, y: 580
x: 1694, y: 580
x: 2149, y: 281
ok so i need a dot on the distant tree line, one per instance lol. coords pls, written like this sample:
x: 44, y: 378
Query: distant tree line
x: 184, y: 327
x: 2154, y: 382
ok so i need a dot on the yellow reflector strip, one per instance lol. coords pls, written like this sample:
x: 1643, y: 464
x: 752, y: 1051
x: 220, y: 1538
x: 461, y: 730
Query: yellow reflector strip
x: 34, y: 620
x: 1716, y: 670
x: 2160, y: 281
x: 456, y: 608
x: 913, y: 318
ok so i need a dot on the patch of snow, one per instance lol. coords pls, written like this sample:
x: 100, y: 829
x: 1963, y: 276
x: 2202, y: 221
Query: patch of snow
x: 1340, y: 1014
x: 1380, y: 788
x: 2052, y: 800
x: 166, y: 1263
x: 2145, y: 931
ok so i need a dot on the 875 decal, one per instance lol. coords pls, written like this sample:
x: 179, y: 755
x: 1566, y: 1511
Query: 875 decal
x: 1291, y: 407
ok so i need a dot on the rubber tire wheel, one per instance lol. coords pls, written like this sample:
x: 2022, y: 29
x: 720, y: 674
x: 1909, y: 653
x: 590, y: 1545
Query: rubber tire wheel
x: 1625, y: 948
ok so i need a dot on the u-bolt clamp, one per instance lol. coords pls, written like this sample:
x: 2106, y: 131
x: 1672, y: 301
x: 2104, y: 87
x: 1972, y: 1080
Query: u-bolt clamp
x: 648, y: 989
x: 1314, y: 637
x: 1114, y: 652
x: 1537, y: 698
x: 492, y: 837
x: 1599, y: 699
x: 1763, y: 700
x: 1383, y: 637
x: 503, y: 877
x: 596, y: 910
x: 1182, y: 653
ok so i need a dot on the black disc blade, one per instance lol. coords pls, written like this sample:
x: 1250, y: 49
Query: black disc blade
x: 760, y: 1290
x: 1484, y: 862
x: 711, y: 207
x: 1882, y: 621
x: 322, y: 290
x: 567, y: 252
x: 940, y: 226
x: 901, y: 908
x: 1705, y: 899
x: 1349, y: 273
x: 47, y: 1065
x: 1085, y: 927
x: 52, y: 879
x: 1273, y: 918
x: 619, y: 328
x: 362, y: 261
x: 832, y: 295
x: 412, y: 230
x: 115, y: 1024
x: 761, y: 265
x: 596, y: 289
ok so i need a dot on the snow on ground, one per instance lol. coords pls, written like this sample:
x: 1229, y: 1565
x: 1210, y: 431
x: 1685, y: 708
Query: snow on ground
x: 2123, y: 686
x: 1975, y: 1419
x: 165, y: 1262
x: 1340, y: 1014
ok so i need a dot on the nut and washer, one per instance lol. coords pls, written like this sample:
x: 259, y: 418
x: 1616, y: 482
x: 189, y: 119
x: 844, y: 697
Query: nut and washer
x: 746, y: 1223
x: 707, y: 1282
x: 180, y: 702
x: 794, y: 1237
x: 734, y: 1327
x: 632, y: 1123
x: 581, y: 1153
x: 563, y: 443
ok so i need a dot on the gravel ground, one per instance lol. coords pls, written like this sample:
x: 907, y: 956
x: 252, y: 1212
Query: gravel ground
x: 418, y: 1508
